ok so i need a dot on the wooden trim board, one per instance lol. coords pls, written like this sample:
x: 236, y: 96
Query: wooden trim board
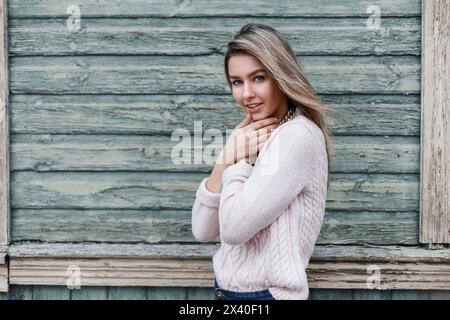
x: 342, y: 267
x: 435, y: 127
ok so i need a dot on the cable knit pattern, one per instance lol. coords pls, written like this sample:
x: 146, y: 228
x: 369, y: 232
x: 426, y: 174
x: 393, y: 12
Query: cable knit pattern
x: 268, y: 216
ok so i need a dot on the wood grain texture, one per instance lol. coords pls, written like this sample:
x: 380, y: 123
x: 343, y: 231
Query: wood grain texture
x: 205, y: 36
x: 162, y: 114
x: 159, y: 190
x: 156, y: 153
x: 4, y: 285
x: 201, y: 74
x: 4, y: 129
x: 18, y: 292
x: 206, y: 8
x: 51, y: 293
x: 89, y: 293
x: 174, y: 226
x: 435, y: 136
x: 165, y: 265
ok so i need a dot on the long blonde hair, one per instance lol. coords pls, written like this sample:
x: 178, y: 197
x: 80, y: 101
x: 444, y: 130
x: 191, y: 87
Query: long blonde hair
x: 275, y: 53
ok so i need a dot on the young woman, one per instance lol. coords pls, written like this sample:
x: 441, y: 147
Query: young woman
x: 266, y: 194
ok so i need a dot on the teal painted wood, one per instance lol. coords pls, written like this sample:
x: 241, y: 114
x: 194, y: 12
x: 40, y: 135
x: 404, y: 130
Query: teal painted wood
x: 156, y: 153
x: 162, y: 114
x: 178, y: 293
x: 201, y: 293
x: 77, y: 83
x: 361, y: 294
x: 89, y: 293
x: 51, y: 293
x: 165, y: 226
x: 17, y: 293
x: 410, y: 295
x: 127, y: 293
x: 159, y: 190
x: 330, y: 294
x: 166, y: 293
x: 195, y: 37
x: 201, y: 74
x: 157, y: 8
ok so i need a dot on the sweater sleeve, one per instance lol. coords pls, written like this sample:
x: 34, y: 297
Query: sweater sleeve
x: 205, y: 214
x: 253, y: 197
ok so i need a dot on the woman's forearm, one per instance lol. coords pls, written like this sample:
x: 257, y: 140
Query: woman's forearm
x: 214, y: 183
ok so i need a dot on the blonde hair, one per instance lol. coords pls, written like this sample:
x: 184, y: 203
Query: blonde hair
x: 275, y: 53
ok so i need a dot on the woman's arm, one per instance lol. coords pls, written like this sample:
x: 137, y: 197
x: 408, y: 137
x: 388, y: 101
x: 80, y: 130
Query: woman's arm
x: 205, y: 212
x: 253, y: 198
x: 245, y: 141
x: 214, y: 183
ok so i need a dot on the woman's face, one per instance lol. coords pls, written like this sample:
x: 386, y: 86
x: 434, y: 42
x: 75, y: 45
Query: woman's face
x: 251, y: 84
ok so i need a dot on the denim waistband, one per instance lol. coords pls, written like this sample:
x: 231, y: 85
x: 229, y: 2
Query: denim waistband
x: 222, y: 294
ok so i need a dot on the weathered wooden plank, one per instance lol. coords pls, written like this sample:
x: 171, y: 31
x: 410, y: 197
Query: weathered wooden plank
x: 409, y: 295
x: 42, y: 292
x: 201, y: 293
x: 370, y: 294
x: 177, y: 36
x: 439, y: 294
x: 163, y: 293
x: 435, y: 170
x: 3, y: 274
x: 201, y: 74
x: 367, y: 253
x: 159, y: 114
x: 157, y: 8
x: 89, y: 293
x: 126, y: 293
x: 20, y: 293
x: 4, y: 128
x: 330, y: 294
x: 134, y: 226
x: 158, y: 190
x: 188, y: 265
x: 121, y: 226
x: 140, y: 153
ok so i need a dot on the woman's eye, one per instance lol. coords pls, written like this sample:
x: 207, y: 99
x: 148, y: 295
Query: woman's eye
x: 234, y: 82
x: 262, y: 77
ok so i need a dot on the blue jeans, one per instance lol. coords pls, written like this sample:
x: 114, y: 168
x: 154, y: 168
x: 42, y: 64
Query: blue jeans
x: 222, y: 294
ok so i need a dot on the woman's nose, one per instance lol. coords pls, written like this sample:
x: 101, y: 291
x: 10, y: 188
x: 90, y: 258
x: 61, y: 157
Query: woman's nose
x: 248, y: 91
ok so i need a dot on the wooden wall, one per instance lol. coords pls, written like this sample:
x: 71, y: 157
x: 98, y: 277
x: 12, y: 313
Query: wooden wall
x: 180, y: 293
x: 92, y: 111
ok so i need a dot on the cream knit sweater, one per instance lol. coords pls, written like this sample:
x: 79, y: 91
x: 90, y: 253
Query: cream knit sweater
x: 269, y: 215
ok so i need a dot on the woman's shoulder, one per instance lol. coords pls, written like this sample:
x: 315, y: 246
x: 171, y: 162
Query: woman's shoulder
x: 301, y: 126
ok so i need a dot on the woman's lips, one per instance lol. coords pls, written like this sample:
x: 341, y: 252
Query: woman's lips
x: 255, y: 109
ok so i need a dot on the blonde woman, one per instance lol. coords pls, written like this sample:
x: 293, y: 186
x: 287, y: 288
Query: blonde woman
x: 266, y: 194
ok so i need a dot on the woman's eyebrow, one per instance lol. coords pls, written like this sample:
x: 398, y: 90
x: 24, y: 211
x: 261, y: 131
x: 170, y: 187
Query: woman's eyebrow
x: 251, y: 73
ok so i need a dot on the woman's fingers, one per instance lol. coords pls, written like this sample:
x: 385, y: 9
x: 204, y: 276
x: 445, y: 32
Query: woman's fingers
x: 263, y: 123
x: 247, y: 120
x: 260, y: 132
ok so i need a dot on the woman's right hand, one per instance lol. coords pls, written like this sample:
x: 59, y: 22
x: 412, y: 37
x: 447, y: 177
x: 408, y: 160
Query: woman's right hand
x: 247, y: 139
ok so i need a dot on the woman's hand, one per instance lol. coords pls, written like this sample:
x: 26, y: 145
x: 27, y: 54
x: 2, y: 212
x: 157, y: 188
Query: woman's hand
x: 247, y: 139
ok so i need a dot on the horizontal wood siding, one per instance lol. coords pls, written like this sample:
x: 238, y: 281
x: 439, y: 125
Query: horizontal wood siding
x: 157, y: 8
x: 203, y: 36
x: 92, y: 114
x: 181, y: 293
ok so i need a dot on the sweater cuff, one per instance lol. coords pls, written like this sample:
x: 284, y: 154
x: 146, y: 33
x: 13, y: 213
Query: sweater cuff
x: 207, y: 197
x: 237, y: 169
